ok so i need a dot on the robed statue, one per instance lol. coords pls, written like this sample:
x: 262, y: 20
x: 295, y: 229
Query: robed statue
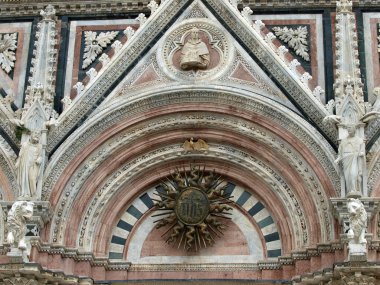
x: 28, y: 165
x: 195, y: 54
x: 351, y: 154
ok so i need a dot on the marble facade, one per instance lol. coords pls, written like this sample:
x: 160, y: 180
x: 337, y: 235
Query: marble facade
x: 277, y: 100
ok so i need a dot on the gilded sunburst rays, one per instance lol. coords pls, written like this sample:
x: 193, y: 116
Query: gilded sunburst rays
x: 193, y: 205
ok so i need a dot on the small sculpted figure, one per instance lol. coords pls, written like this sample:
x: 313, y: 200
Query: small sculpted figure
x: 351, y: 153
x: 20, y: 212
x: 190, y: 145
x: 195, y: 54
x: 358, y: 221
x: 28, y: 166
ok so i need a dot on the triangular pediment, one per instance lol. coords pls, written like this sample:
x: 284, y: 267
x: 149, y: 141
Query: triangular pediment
x: 151, y: 58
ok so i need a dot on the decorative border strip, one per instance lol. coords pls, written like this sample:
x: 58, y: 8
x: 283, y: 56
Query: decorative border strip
x: 113, y: 265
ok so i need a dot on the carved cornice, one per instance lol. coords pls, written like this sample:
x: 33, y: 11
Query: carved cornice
x: 9, y: 8
x: 79, y: 255
x: 33, y: 274
x: 12, y: 8
x: 289, y: 260
x: 343, y: 274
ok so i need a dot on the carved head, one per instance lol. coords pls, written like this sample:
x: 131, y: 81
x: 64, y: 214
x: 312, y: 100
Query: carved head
x: 194, y: 34
x: 21, y: 209
x: 35, y: 137
x: 354, y: 206
x: 27, y: 210
x: 351, y: 129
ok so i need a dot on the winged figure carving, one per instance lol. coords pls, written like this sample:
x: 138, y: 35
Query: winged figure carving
x: 199, y: 144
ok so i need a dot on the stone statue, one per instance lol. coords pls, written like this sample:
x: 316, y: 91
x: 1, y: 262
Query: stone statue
x: 351, y: 153
x: 358, y: 221
x: 20, y: 212
x: 195, y: 54
x: 28, y: 166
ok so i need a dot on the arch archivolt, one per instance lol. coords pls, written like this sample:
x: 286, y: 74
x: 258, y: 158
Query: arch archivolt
x: 125, y: 111
x: 98, y: 178
x: 8, y: 183
x: 374, y: 170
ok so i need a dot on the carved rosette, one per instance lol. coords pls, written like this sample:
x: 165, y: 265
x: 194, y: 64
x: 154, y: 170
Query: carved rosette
x: 219, y: 45
x: 192, y: 205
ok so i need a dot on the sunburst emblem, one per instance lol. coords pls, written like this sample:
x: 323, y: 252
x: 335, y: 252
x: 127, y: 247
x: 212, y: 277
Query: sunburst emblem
x: 194, y: 205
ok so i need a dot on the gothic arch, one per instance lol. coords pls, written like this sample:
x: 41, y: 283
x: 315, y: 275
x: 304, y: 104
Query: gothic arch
x: 98, y: 152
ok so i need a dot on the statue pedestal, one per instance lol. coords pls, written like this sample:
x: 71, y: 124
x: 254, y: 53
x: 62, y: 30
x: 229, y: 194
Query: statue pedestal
x: 357, y: 252
x: 18, y: 256
x: 355, y: 195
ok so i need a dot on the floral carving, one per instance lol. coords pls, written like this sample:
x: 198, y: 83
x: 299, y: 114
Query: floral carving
x: 95, y: 44
x: 296, y: 39
x: 8, y: 45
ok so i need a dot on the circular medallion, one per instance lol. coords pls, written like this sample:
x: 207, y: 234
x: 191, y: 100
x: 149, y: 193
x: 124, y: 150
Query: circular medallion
x: 196, y: 49
x: 192, y: 206
x: 193, y: 203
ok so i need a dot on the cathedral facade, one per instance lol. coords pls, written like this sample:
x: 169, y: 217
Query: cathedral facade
x: 189, y: 142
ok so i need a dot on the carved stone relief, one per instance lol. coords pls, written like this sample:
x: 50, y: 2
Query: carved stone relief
x: 297, y: 39
x: 95, y: 44
x: 28, y: 166
x: 195, y: 49
x: 20, y: 212
x: 358, y: 225
x: 8, y: 46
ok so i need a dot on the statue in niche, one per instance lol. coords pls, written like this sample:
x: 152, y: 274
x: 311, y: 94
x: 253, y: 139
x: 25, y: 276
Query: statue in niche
x: 195, y: 54
x: 28, y: 165
x: 352, y: 154
x: 358, y: 221
x: 20, y: 212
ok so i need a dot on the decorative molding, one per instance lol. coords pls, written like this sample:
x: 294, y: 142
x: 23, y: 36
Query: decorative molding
x: 101, y: 154
x: 95, y: 44
x: 295, y: 38
x: 88, y: 132
x: 32, y: 274
x: 8, y: 46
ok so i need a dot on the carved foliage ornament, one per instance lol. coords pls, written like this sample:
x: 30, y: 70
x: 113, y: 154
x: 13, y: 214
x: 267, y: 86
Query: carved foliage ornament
x: 95, y: 44
x: 296, y: 39
x: 193, y: 205
x: 8, y: 45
